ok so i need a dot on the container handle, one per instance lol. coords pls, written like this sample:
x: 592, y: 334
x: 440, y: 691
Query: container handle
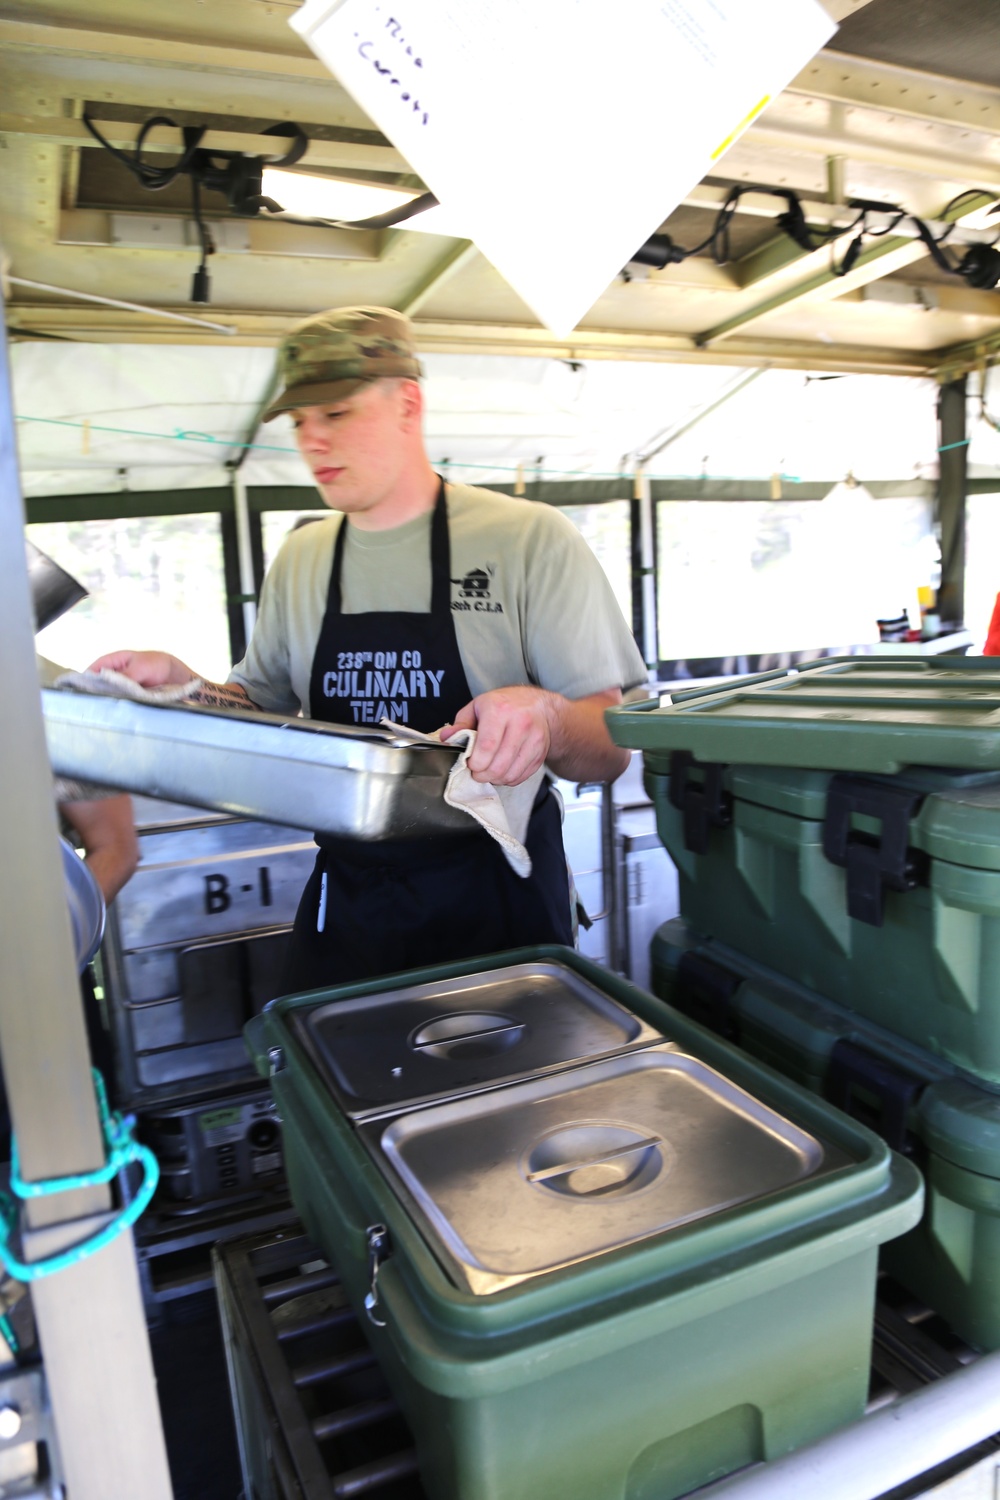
x: 379, y: 1248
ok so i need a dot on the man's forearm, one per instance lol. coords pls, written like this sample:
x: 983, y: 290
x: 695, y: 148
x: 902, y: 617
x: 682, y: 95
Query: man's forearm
x: 106, y: 829
x: 222, y: 695
x: 580, y: 748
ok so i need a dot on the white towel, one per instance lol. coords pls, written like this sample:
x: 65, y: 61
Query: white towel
x: 503, y: 811
x: 109, y: 684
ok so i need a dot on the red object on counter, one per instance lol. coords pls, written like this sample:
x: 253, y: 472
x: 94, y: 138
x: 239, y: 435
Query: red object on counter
x: 992, y: 647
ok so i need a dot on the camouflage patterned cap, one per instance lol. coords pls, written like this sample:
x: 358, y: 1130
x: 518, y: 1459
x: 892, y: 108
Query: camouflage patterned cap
x: 330, y: 355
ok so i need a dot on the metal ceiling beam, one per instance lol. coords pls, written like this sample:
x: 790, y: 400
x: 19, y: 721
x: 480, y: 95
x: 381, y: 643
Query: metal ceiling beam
x: 928, y: 296
x: 55, y: 130
x: 812, y: 279
x: 260, y: 330
x: 843, y: 79
x: 959, y: 358
x: 976, y: 171
x: 156, y: 231
x: 453, y: 261
x: 159, y: 51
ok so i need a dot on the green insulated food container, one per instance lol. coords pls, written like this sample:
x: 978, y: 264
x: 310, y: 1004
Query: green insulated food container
x: 814, y: 830
x: 614, y: 1281
x: 919, y: 1104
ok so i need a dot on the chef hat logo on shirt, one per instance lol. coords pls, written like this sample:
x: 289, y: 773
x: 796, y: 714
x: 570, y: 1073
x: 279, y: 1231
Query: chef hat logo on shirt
x: 475, y: 584
x: 474, y: 591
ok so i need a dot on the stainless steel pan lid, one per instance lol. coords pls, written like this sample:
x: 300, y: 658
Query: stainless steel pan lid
x: 358, y: 782
x: 429, y: 1041
x: 528, y: 1179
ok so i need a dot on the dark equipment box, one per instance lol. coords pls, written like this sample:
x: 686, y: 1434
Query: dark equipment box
x: 195, y: 945
x: 225, y: 1145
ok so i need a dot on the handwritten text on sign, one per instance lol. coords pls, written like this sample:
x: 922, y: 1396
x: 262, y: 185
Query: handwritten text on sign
x: 562, y: 132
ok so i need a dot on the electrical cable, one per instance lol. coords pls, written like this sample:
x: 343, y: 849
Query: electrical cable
x: 979, y: 265
x: 388, y: 220
x: 148, y: 176
x: 238, y: 177
x: 232, y: 173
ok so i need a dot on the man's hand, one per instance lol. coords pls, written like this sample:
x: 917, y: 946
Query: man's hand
x: 523, y: 728
x: 514, y: 734
x: 153, y: 669
x: 150, y: 669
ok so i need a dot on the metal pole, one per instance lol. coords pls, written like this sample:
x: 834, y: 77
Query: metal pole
x: 245, y: 552
x: 90, y: 1318
x: 886, y: 1449
x: 139, y: 307
x: 953, y: 445
x: 671, y: 434
x: 650, y: 646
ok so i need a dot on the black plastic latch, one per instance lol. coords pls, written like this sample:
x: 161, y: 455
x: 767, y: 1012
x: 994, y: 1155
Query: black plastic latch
x: 704, y: 990
x: 873, y: 861
x: 704, y: 803
x: 874, y: 1092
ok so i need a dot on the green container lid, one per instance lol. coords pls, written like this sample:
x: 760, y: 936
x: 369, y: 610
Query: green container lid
x: 868, y: 714
x: 962, y: 1123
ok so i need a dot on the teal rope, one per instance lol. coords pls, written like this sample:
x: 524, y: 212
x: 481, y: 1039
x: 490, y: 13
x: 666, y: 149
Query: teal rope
x: 13, y: 1342
x: 181, y: 436
x: 121, y: 1149
x: 962, y: 443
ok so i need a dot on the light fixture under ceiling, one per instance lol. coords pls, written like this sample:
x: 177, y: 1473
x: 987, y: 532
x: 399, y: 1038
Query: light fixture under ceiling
x: 310, y: 196
x: 305, y: 195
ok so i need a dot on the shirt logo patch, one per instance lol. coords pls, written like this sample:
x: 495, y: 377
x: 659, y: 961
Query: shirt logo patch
x: 474, y: 591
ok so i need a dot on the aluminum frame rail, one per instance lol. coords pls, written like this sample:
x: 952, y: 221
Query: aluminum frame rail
x: 359, y: 782
x: 887, y: 1448
x: 90, y: 1319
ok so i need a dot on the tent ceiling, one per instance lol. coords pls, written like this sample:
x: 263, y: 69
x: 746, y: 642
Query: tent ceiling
x: 903, y: 135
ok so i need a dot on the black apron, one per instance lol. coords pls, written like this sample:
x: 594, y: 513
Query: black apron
x: 385, y: 907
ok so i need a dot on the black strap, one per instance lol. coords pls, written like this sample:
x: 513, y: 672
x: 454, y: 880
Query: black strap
x: 440, y: 561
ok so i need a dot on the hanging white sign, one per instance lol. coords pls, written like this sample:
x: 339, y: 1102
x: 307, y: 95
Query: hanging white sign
x: 561, y: 133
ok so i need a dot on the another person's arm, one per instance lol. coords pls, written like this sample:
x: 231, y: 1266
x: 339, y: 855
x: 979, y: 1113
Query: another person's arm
x: 152, y: 669
x: 107, y: 833
x: 520, y: 729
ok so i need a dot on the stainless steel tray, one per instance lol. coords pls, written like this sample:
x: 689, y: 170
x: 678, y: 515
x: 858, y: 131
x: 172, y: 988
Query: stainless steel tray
x: 424, y: 1042
x: 524, y: 1180
x: 362, y: 783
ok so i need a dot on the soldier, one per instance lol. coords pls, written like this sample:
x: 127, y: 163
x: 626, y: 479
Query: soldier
x: 368, y: 614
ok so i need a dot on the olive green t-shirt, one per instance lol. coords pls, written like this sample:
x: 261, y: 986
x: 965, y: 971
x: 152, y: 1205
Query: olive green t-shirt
x: 530, y: 601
